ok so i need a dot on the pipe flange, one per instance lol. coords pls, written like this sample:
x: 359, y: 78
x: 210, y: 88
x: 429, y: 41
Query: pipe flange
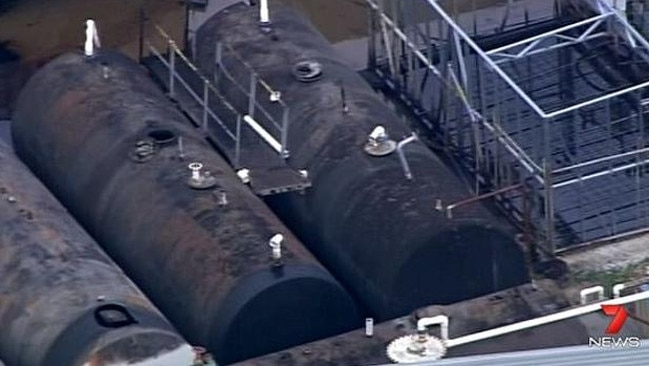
x: 416, y: 348
x: 307, y: 71
x: 205, y: 182
x: 381, y: 149
x: 200, y: 180
x: 144, y: 151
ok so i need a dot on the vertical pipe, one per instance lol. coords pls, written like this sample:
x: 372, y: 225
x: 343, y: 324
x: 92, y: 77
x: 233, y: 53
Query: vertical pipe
x: 172, y: 66
x: 253, y: 95
x: 264, y: 14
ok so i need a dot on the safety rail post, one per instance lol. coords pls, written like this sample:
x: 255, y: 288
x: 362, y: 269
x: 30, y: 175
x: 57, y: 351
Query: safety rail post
x: 284, y: 137
x: 237, y: 144
x: 252, y: 97
x: 205, y: 104
x: 172, y: 65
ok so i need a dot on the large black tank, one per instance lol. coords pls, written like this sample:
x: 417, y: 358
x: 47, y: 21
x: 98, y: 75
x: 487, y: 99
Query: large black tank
x: 377, y: 231
x: 104, y: 138
x: 62, y: 300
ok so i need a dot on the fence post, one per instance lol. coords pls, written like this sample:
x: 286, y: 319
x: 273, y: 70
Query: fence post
x: 172, y: 66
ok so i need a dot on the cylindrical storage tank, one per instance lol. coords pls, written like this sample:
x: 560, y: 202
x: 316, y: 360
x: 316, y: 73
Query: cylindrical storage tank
x: 386, y: 237
x: 104, y: 138
x: 62, y: 300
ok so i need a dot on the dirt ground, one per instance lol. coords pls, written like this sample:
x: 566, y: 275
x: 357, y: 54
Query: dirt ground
x: 39, y: 30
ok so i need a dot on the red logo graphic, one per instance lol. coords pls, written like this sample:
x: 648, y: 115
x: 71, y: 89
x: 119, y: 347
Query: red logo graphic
x: 619, y: 314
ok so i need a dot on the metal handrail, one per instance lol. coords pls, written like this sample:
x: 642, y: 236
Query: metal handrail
x: 173, y: 51
x: 261, y: 81
x: 193, y: 94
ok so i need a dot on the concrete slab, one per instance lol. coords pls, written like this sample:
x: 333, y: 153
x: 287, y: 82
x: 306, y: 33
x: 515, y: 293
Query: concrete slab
x: 610, y: 257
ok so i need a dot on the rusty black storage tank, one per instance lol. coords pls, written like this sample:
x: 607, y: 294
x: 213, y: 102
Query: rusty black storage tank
x: 104, y: 138
x: 62, y: 300
x: 378, y: 232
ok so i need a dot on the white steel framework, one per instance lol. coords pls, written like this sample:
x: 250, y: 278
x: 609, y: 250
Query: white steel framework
x: 529, y: 103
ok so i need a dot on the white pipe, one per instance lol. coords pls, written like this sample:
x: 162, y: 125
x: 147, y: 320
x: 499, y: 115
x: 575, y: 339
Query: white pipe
x: 264, y: 14
x: 276, y: 245
x: 92, y: 38
x: 244, y: 175
x: 617, y: 289
x: 369, y: 327
x: 545, y: 319
x: 402, y: 155
x: 583, y: 294
x: 378, y: 133
x: 441, y: 320
x: 270, y: 140
x: 196, y: 170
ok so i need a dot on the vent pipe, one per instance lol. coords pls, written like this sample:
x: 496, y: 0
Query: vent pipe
x: 264, y: 14
x: 92, y: 38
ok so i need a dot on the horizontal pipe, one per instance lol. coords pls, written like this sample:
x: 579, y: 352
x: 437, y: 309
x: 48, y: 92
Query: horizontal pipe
x: 583, y: 294
x: 583, y: 310
x: 449, y: 208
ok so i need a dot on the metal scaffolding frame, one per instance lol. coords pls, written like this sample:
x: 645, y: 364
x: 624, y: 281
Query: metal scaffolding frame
x: 525, y: 105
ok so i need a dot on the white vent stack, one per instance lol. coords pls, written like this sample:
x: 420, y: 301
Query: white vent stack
x: 92, y: 38
x: 378, y: 134
x: 275, y: 244
x: 264, y: 14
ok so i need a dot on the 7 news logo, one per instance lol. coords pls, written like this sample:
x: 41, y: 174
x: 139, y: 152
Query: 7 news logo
x: 620, y: 315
